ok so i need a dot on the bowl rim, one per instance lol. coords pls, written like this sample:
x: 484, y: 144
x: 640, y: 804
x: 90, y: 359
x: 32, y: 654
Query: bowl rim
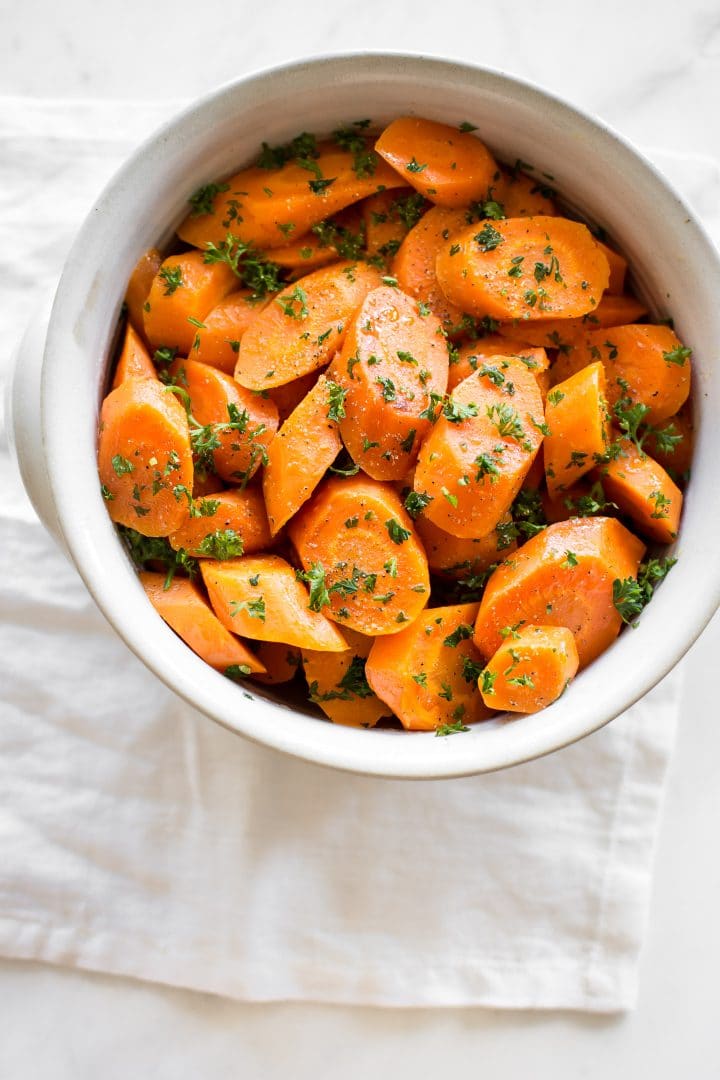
x: 373, y: 754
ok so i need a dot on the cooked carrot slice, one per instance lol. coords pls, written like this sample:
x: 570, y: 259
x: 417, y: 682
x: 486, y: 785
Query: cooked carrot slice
x: 649, y: 363
x: 521, y: 195
x: 476, y: 457
x: 144, y: 457
x: 618, y: 268
x: 206, y: 482
x: 221, y: 526
x: 472, y: 356
x: 184, y: 608
x: 523, y: 268
x: 281, y: 662
x: 452, y: 557
x: 414, y: 264
x: 306, y: 254
x: 562, y: 577
x: 387, y: 218
x: 340, y: 237
x: 184, y: 290
x: 139, y: 285
x: 356, y: 539
x: 428, y: 673
x: 644, y: 491
x: 530, y: 670
x: 576, y: 416
x: 302, y: 328
x: 450, y: 167
x: 337, y: 683
x: 218, y: 342
x: 563, y: 333
x: 288, y: 396
x: 303, y: 449
x: 260, y: 597
x: 242, y: 424
x: 672, y: 447
x: 134, y: 361
x: 393, y: 364
x: 266, y: 207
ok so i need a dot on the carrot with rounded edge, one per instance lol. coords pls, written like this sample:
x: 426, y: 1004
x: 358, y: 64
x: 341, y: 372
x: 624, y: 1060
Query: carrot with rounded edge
x: 477, y: 455
x: 134, y: 361
x: 238, y: 425
x: 260, y: 597
x: 303, y: 449
x: 357, y: 544
x: 288, y: 396
x: 618, y: 268
x: 521, y: 195
x: 644, y: 491
x: 414, y: 264
x: 473, y: 355
x: 672, y: 445
x: 448, y: 166
x: 304, y: 326
x: 337, y: 683
x: 563, y: 576
x: 392, y: 368
x: 452, y: 557
x: 530, y: 670
x: 577, y: 418
x: 281, y: 662
x: 523, y: 268
x: 428, y: 673
x: 217, y: 343
x: 562, y: 334
x: 184, y: 290
x: 144, y: 457
x: 138, y: 288
x: 185, y: 610
x: 266, y: 207
x: 387, y: 218
x: 221, y: 526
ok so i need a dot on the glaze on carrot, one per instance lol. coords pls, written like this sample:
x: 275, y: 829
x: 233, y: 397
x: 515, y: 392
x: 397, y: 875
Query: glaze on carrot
x: 530, y: 670
x: 184, y: 290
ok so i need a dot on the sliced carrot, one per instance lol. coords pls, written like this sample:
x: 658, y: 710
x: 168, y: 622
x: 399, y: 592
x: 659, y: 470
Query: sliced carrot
x: 301, y: 329
x: 472, y: 356
x: 184, y: 608
x: 241, y: 424
x: 218, y: 342
x: 230, y: 523
x: 414, y: 264
x: 260, y: 597
x: 563, y: 576
x: 530, y: 670
x: 306, y: 254
x: 452, y: 557
x: 139, y: 285
x: 337, y: 683
x: 523, y: 268
x: 649, y: 363
x: 303, y: 449
x: 618, y: 268
x: 206, y: 482
x: 476, y: 457
x: 184, y: 290
x: 393, y: 364
x: 585, y: 498
x: 134, y: 361
x: 356, y: 538
x: 281, y: 662
x: 288, y: 396
x: 448, y: 166
x: 144, y: 457
x: 428, y: 673
x: 267, y: 207
x: 576, y: 416
x: 673, y: 447
x: 387, y: 217
x: 644, y: 491
x: 521, y: 195
x: 563, y: 333
x: 340, y: 237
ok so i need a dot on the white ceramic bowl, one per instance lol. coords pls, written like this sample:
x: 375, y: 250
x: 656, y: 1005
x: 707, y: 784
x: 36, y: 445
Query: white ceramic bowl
x: 61, y: 380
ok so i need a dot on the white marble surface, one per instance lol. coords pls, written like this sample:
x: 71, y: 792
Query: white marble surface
x: 653, y: 71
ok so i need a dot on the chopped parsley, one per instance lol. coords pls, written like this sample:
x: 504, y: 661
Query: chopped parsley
x: 397, y: 532
x: 315, y: 578
x: 336, y: 401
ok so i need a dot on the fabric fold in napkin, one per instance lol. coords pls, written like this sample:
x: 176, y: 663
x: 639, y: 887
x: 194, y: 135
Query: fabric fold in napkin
x: 139, y: 838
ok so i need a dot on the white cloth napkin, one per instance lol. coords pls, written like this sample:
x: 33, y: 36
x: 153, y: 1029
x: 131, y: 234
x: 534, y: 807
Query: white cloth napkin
x: 138, y: 838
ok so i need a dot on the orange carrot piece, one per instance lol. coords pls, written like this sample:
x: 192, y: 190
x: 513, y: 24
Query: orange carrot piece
x: 521, y: 195
x: 230, y: 523
x: 186, y: 611
x: 260, y: 597
x: 214, y: 396
x: 563, y: 333
x: 303, y: 449
x: 472, y: 356
x: 452, y: 557
x: 476, y: 457
x: 562, y: 577
x: 392, y: 361
x: 134, y: 361
x: 576, y: 415
x: 644, y: 491
x: 139, y: 285
x: 355, y: 535
x: 651, y: 360
x: 428, y: 673
x: 304, y: 255
x: 184, y: 290
x: 206, y: 482
x: 414, y: 264
x: 281, y: 662
x: 530, y: 670
x: 144, y: 457
x: 288, y: 396
x: 677, y: 459
x: 448, y: 166
x: 494, y: 267
x: 386, y: 218
x: 618, y: 268
x: 337, y: 683
x: 264, y: 207
x: 302, y: 328
x: 218, y: 342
